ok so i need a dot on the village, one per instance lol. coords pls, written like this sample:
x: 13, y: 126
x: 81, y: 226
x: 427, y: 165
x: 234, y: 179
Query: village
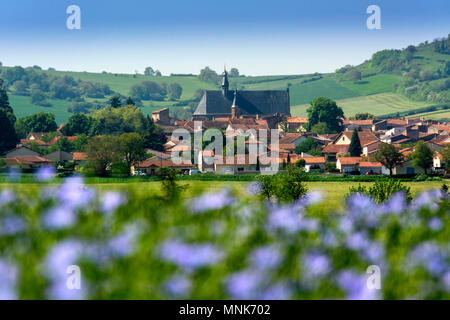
x: 354, y: 150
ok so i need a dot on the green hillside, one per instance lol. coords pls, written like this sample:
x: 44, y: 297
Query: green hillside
x: 377, y: 104
x: 391, y: 81
x: 327, y: 87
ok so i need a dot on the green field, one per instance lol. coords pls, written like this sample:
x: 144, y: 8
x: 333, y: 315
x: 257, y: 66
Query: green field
x: 23, y: 107
x: 377, y: 104
x: 379, y: 83
x: 434, y: 115
x: 333, y: 195
x: 327, y: 87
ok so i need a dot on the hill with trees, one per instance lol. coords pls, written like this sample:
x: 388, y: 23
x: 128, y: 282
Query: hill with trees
x: 415, y: 79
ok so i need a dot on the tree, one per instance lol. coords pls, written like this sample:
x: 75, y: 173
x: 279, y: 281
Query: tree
x: 115, y: 102
x: 154, y: 137
x: 39, y: 98
x: 131, y: 147
x: 326, y: 111
x: 447, y: 68
x: 363, y: 116
x: 174, y: 91
x: 320, y: 128
x: 149, y: 71
x: 208, y: 75
x: 354, y: 75
x: 422, y: 157
x: 8, y: 137
x: 79, y: 144
x: 130, y: 102
x: 20, y: 87
x: 355, y: 145
x: 446, y: 156
x: 307, y: 146
x: 78, y: 124
x: 234, y: 72
x: 388, y: 156
x: 4, y: 104
x: 116, y: 121
x: 102, y: 153
x: 37, y: 122
x: 62, y: 144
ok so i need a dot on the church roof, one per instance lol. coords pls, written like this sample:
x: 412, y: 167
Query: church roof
x: 249, y: 102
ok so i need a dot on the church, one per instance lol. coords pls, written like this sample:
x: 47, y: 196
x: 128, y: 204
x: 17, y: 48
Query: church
x: 242, y: 103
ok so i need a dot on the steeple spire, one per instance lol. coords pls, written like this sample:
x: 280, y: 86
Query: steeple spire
x: 225, y: 83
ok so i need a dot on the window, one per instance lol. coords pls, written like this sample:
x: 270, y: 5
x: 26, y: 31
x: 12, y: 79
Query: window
x: 240, y: 169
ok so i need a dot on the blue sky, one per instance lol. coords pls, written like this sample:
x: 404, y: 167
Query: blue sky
x: 179, y: 36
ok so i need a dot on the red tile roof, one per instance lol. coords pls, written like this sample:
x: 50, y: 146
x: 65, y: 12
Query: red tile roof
x: 80, y: 156
x: 154, y: 162
x: 370, y: 164
x: 336, y: 148
x: 347, y: 161
x: 26, y: 160
x: 297, y: 120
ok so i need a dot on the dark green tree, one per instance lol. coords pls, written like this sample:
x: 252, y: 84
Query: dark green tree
x: 131, y: 146
x: 115, y: 102
x: 174, y: 91
x: 130, y: 102
x: 37, y: 122
x: 388, y: 156
x: 307, y: 146
x: 422, y: 157
x: 355, y: 145
x: 4, y: 104
x: 78, y: 124
x: 326, y: 111
x: 154, y: 137
x: 8, y: 137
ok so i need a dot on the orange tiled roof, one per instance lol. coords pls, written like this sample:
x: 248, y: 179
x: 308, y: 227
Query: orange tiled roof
x: 26, y: 160
x: 80, y: 156
x: 349, y: 160
x: 336, y: 148
x: 154, y: 162
x: 368, y: 164
x: 297, y: 120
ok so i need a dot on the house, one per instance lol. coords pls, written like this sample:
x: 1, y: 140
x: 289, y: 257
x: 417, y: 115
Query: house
x: 239, y: 164
x: 21, y: 151
x: 226, y: 103
x: 441, y: 129
x: 348, y: 164
x: 59, y: 156
x: 407, y: 168
x: 370, y: 168
x: 26, y: 162
x: 370, y: 147
x: 438, y: 162
x: 161, y: 116
x: 151, y: 165
x: 80, y: 159
x: 294, y: 124
x: 311, y: 162
x: 359, y: 124
x: 292, y: 138
x: 332, y: 151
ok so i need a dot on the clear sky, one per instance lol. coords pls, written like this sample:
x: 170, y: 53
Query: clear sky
x: 258, y: 37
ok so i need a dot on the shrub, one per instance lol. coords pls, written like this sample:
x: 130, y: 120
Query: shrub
x: 284, y: 187
x: 382, y: 190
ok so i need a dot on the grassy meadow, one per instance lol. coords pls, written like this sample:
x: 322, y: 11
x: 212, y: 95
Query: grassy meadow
x: 377, y: 104
x: 333, y: 195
